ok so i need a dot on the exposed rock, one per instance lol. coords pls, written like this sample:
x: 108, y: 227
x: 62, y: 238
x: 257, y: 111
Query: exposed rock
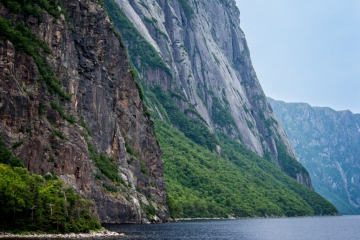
x: 209, y: 58
x: 327, y: 143
x: 92, y: 65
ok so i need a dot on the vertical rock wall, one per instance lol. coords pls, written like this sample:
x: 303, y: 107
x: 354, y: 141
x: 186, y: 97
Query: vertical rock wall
x: 203, y: 45
x: 94, y: 68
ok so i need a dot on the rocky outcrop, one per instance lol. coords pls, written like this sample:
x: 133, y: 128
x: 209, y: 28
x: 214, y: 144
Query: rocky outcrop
x: 327, y: 143
x: 104, y: 116
x: 202, y: 44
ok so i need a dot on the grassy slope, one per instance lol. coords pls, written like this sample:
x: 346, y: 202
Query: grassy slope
x: 206, y: 185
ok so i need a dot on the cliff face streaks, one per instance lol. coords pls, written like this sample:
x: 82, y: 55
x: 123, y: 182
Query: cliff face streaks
x: 103, y: 119
x: 327, y: 143
x: 204, y: 50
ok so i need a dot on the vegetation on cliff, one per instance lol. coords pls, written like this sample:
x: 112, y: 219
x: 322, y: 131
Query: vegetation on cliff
x: 141, y: 48
x: 24, y: 40
x: 199, y: 182
x: 29, y: 202
x: 240, y: 184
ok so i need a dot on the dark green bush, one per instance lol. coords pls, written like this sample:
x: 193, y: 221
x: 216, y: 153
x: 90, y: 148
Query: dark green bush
x: 188, y: 10
x: 141, y: 92
x: 107, y: 166
x: 18, y: 144
x: 57, y: 208
x: 7, y: 157
x: 150, y: 210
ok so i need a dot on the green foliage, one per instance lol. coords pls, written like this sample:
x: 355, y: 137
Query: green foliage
x: 267, y: 122
x: 314, y: 200
x: 158, y: 30
x: 193, y: 111
x: 143, y: 169
x: 24, y: 40
x: 192, y: 128
x: 7, y: 157
x: 18, y: 144
x: 97, y: 176
x: 130, y: 150
x: 188, y: 10
x: 147, y: 114
x: 133, y: 73
x: 150, y: 210
x: 221, y: 115
x: 83, y: 124
x: 145, y: 6
x: 141, y: 92
x: 201, y: 97
x: 101, y: 3
x: 245, y: 52
x: 31, y: 203
x: 107, y: 166
x: 203, y: 184
x: 177, y: 95
x: 60, y: 110
x: 41, y: 109
x: 33, y: 8
x: 174, y: 207
x: 59, y: 134
x: 138, y: 46
x: 110, y: 187
x: 289, y: 164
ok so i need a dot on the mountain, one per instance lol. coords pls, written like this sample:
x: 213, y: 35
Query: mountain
x: 223, y: 147
x: 94, y: 93
x: 70, y: 106
x: 198, y: 52
x: 327, y: 144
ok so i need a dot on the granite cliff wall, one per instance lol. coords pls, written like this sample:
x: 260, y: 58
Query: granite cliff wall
x: 208, y: 63
x: 102, y: 117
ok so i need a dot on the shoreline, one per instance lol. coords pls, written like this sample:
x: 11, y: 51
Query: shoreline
x: 255, y: 217
x: 100, y: 234
x: 106, y: 233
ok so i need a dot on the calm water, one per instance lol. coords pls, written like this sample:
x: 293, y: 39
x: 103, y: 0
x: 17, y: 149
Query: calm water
x: 312, y: 228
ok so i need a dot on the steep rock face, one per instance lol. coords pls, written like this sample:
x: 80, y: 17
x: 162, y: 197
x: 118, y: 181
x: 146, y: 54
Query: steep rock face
x: 327, y: 143
x: 202, y: 44
x: 104, y: 115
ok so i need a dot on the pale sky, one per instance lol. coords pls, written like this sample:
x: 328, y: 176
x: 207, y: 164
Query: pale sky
x: 306, y: 50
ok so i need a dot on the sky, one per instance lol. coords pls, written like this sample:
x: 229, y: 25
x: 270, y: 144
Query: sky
x: 306, y: 50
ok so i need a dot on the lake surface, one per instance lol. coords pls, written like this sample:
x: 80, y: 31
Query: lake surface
x: 309, y: 228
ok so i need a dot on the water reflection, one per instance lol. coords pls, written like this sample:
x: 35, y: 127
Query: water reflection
x: 319, y: 228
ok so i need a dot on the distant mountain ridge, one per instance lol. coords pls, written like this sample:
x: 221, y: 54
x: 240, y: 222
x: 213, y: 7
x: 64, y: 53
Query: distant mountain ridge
x: 327, y: 143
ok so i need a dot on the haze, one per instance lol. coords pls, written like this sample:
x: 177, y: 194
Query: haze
x: 306, y: 51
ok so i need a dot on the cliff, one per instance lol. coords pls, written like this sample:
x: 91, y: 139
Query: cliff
x: 327, y: 143
x: 69, y: 105
x: 197, y: 51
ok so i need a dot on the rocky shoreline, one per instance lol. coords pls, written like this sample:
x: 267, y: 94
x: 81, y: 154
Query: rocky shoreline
x: 100, y: 234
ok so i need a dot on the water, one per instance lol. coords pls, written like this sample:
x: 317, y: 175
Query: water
x: 310, y: 228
